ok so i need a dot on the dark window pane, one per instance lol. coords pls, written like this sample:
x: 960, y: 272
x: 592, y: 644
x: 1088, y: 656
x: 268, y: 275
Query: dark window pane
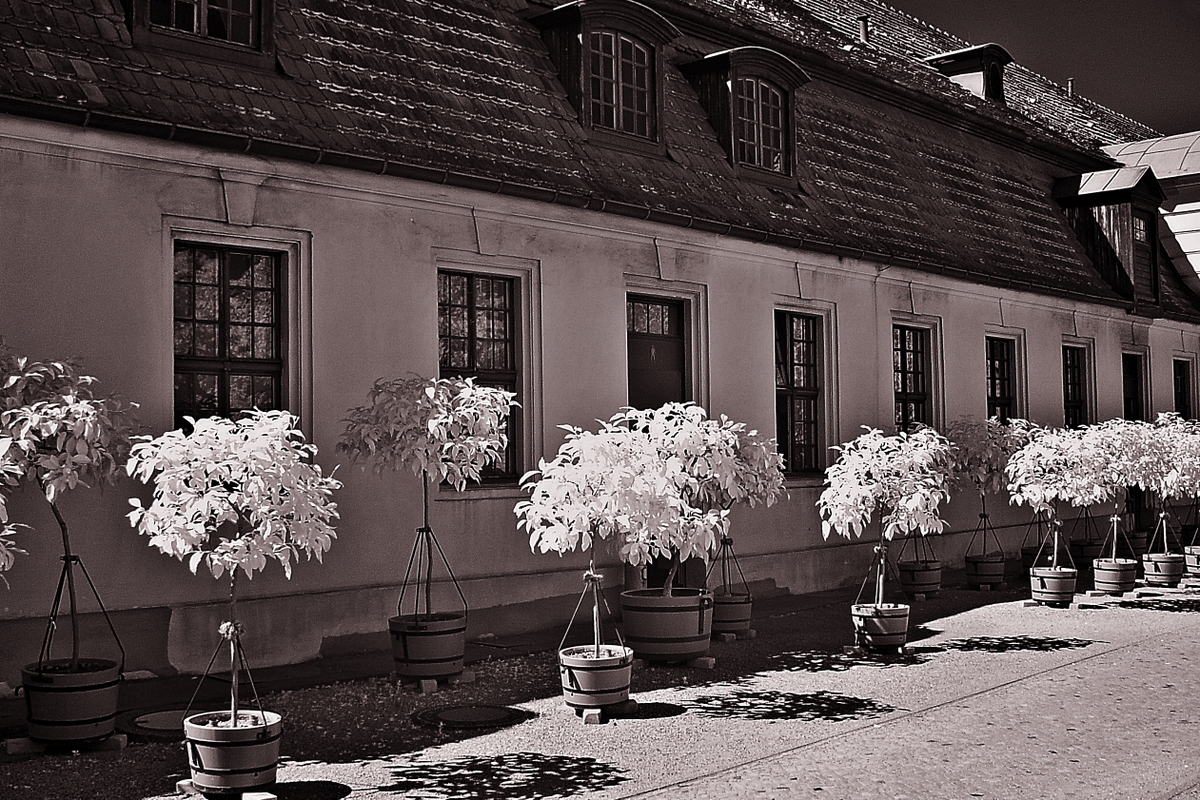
x: 183, y: 301
x: 206, y: 266
x: 239, y: 268
x: 183, y: 338
x: 241, y: 393
x: 241, y: 341
x: 264, y: 307
x: 206, y: 340
x: 798, y: 390
x: 264, y: 342
x: 239, y: 305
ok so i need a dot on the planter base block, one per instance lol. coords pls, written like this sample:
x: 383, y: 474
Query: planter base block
x: 859, y: 650
x: 599, y: 716
x: 186, y: 786
x: 30, y: 747
x: 430, y: 685
x: 730, y: 636
x: 703, y: 662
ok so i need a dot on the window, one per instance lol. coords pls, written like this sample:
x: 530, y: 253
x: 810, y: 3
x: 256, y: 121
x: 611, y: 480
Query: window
x: 622, y: 77
x: 1075, y: 383
x: 228, y: 330
x: 1133, y: 385
x: 609, y: 56
x: 657, y: 350
x: 759, y: 134
x: 910, y: 376
x: 1139, y: 228
x: 1001, y: 378
x: 748, y: 93
x: 234, y: 21
x: 1181, y: 370
x: 477, y: 336
x: 798, y: 391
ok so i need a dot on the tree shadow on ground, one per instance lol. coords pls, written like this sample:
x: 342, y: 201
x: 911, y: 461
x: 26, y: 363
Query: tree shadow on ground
x: 1010, y: 644
x: 511, y: 776
x: 772, y: 706
x: 1178, y: 605
x: 311, y: 790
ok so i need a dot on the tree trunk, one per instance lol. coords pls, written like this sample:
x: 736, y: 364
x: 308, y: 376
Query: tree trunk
x: 69, y: 566
x: 670, y: 579
x: 233, y: 648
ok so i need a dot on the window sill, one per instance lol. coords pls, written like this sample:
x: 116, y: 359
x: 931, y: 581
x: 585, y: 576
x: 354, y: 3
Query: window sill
x: 168, y: 41
x: 766, y: 177
x: 498, y: 491
x: 807, y: 480
x: 626, y: 142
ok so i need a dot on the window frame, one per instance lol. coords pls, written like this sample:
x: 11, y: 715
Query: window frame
x: 147, y: 35
x: 695, y: 326
x: 825, y: 405
x: 567, y: 31
x: 934, y: 393
x: 1142, y: 381
x: 526, y: 275
x: 223, y: 364
x: 1087, y: 402
x: 295, y: 246
x: 715, y: 77
x: 1188, y: 359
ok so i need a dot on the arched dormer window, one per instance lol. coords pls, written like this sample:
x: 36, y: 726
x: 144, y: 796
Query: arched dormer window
x: 609, y: 56
x: 748, y: 95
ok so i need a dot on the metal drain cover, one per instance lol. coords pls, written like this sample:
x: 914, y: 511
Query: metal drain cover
x: 471, y: 717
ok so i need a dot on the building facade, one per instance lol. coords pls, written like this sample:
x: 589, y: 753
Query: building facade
x: 793, y: 216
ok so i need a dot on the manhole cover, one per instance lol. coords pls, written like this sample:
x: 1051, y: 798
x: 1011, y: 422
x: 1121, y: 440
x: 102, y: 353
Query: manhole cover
x: 468, y: 717
x: 161, y: 720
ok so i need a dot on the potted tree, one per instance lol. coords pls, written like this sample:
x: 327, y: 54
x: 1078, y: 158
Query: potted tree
x: 758, y: 480
x: 980, y: 451
x: 231, y: 496
x: 444, y: 430
x: 55, y: 433
x: 905, y: 477
x: 720, y: 464
x: 1114, y: 450
x: 593, y: 489
x: 1059, y: 464
x: 1168, y: 472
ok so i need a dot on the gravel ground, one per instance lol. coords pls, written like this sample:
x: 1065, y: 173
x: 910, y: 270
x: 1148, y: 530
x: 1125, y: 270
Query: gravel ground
x: 369, y: 721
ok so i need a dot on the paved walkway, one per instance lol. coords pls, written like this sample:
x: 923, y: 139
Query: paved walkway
x: 1002, y: 701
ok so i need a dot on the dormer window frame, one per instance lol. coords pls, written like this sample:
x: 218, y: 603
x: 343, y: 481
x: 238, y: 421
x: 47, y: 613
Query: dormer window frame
x: 717, y: 79
x: 260, y: 53
x: 568, y: 31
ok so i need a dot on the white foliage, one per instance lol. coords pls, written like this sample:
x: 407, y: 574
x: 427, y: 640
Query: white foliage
x: 234, y: 494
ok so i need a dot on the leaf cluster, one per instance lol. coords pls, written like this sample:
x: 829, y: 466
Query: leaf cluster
x: 659, y: 481
x: 904, y: 476
x: 55, y: 432
x: 446, y: 428
x: 234, y: 493
x: 980, y: 451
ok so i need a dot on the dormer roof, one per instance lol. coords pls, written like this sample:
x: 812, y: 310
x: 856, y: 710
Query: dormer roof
x: 978, y: 69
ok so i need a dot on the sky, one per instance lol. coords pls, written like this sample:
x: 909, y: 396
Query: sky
x: 1138, y: 57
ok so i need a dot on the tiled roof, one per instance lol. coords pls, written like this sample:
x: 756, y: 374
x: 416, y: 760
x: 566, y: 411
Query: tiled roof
x: 1170, y: 156
x: 464, y: 91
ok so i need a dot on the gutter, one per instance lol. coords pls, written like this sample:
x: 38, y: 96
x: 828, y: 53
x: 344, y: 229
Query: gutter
x: 304, y: 154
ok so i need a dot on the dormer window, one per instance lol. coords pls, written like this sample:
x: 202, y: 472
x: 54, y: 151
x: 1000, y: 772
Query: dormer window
x: 748, y: 95
x: 622, y: 84
x: 609, y: 54
x: 234, y: 21
x: 226, y: 31
x: 979, y: 70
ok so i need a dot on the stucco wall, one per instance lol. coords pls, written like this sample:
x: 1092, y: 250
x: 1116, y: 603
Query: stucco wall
x: 85, y: 271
